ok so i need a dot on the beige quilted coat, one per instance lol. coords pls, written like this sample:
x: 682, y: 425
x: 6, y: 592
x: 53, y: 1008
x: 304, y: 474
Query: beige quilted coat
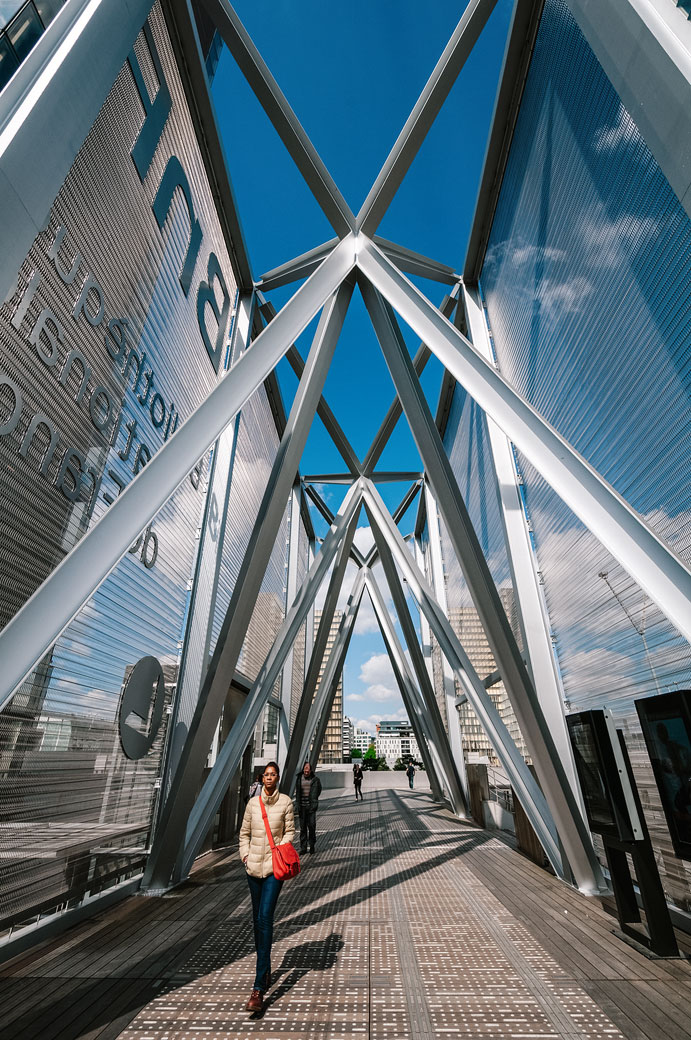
x: 253, y: 840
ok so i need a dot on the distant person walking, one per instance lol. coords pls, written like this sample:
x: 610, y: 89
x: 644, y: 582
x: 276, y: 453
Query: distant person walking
x: 255, y: 853
x: 307, y: 791
x: 357, y: 780
x: 410, y: 773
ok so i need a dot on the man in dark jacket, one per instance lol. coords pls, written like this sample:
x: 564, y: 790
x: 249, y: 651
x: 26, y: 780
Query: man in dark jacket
x: 307, y: 791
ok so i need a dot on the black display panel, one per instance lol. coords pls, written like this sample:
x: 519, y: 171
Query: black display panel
x: 598, y: 772
x: 666, y: 724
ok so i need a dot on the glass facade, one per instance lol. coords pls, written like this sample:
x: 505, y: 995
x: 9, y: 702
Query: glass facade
x: 586, y: 285
x: 110, y: 340
x: 467, y: 444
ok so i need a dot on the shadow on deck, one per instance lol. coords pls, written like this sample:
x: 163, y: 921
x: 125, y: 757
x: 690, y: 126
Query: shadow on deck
x: 405, y: 923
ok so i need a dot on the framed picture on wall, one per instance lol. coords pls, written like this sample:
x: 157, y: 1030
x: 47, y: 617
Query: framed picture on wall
x: 666, y: 724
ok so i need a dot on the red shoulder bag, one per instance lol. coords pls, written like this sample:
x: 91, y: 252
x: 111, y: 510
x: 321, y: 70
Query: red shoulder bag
x: 284, y: 858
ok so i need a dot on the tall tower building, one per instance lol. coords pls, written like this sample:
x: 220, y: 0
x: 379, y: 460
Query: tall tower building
x: 332, y: 748
x: 468, y: 627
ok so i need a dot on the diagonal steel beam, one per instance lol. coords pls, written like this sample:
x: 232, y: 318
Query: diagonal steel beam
x: 296, y: 269
x: 335, y: 431
x: 178, y: 805
x: 62, y: 595
x: 415, y: 263
x: 414, y: 705
x: 407, y: 259
x: 656, y: 568
x: 284, y: 120
x: 321, y: 505
x: 435, y: 726
x: 426, y: 109
x: 228, y: 759
x: 398, y: 514
x: 524, y: 701
x: 380, y: 477
x: 381, y: 438
x: 328, y: 684
x: 295, y: 748
x: 522, y: 781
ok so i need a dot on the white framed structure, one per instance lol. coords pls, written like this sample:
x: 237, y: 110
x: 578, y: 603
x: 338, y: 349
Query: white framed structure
x: 106, y: 495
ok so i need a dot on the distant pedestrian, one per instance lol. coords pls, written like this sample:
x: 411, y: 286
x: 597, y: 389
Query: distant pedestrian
x: 256, y: 785
x: 307, y: 791
x: 255, y: 853
x: 410, y: 773
x: 357, y: 780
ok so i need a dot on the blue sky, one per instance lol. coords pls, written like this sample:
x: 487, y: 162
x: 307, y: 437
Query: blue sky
x: 352, y: 73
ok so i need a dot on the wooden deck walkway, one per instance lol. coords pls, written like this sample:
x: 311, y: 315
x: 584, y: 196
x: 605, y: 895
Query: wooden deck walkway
x: 404, y: 924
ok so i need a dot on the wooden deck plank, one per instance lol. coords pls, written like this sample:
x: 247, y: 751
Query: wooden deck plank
x: 588, y: 958
x: 591, y: 933
x: 488, y: 951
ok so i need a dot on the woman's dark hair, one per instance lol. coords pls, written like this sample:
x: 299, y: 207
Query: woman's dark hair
x: 275, y: 766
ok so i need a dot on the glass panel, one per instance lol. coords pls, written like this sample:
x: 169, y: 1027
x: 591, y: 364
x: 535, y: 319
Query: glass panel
x: 8, y: 9
x: 8, y: 62
x: 24, y: 31
x: 47, y: 9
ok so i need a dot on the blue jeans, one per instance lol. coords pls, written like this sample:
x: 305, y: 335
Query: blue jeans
x: 264, y: 893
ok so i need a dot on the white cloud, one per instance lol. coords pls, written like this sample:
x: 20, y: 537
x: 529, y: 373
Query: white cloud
x: 364, y: 539
x: 377, y: 670
x: 346, y: 587
x: 354, y: 697
x: 564, y: 297
x: 370, y: 723
x: 379, y: 692
x: 608, y: 138
x: 367, y: 619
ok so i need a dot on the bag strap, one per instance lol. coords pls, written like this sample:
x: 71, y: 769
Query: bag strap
x: 266, y: 823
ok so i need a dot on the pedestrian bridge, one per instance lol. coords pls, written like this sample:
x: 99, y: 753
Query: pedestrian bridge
x: 184, y: 560
x: 406, y: 923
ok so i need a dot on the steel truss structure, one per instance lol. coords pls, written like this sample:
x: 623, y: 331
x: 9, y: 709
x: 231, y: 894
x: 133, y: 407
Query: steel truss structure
x: 330, y: 272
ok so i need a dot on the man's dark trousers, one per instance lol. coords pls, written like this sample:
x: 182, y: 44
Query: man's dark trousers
x: 308, y: 827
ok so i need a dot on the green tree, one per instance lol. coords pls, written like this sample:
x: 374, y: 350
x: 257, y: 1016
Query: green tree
x: 370, y: 760
x: 398, y: 765
x: 355, y: 752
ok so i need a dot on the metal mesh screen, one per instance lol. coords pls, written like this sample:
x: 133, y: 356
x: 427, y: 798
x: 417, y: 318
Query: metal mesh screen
x: 257, y: 443
x: 76, y: 811
x: 586, y: 284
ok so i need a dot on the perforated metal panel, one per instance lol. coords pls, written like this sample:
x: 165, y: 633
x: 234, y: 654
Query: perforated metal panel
x: 69, y: 796
x: 586, y: 280
x: 257, y: 443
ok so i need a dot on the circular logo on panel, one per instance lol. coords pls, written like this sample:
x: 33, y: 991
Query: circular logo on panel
x: 141, y: 707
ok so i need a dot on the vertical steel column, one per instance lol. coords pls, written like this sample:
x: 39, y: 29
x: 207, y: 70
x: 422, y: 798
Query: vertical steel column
x: 522, y: 562
x: 291, y: 592
x: 169, y: 836
x: 294, y: 758
x: 438, y: 583
x: 433, y: 721
x: 412, y: 699
x: 323, y: 701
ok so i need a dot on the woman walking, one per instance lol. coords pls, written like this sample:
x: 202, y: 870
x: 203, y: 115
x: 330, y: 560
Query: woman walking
x: 357, y: 779
x: 255, y: 853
